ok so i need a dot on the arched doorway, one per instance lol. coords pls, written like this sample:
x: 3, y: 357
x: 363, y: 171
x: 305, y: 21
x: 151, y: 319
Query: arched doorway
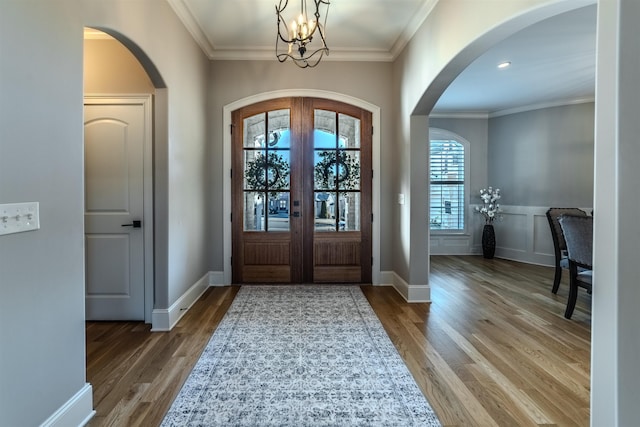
x: 302, y: 192
x: 120, y: 78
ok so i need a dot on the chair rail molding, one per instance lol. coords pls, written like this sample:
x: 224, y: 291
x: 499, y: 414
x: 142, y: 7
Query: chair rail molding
x: 522, y: 235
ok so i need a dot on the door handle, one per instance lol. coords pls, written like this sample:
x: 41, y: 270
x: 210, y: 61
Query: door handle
x: 135, y: 224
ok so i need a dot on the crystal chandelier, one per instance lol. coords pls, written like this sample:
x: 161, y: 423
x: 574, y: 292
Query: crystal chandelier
x: 303, y: 41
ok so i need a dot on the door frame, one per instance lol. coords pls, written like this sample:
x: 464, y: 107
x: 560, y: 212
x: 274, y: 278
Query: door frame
x: 146, y: 100
x: 375, y: 164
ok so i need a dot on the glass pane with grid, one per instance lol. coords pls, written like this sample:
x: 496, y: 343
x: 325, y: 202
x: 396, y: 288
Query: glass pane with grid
x: 446, y: 209
x: 336, y: 169
x: 267, y: 168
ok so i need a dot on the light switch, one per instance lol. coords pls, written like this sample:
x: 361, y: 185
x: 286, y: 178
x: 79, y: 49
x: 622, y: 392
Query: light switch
x: 400, y: 199
x: 19, y: 217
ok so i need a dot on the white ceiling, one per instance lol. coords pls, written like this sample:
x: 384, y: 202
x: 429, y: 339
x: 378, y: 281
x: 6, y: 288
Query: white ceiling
x: 553, y: 62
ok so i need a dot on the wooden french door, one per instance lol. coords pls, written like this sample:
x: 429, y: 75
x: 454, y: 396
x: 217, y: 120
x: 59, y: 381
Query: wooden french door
x: 301, y: 192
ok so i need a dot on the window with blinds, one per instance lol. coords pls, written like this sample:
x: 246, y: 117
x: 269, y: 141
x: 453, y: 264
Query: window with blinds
x: 446, y: 210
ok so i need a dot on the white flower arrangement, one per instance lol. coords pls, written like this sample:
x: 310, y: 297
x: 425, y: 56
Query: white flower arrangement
x: 490, y: 208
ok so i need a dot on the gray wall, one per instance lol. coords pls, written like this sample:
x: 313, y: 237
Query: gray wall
x: 181, y: 150
x: 429, y: 63
x: 42, y: 347
x: 544, y: 157
x: 234, y: 80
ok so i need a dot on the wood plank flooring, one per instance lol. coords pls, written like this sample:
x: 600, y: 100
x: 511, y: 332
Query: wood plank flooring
x: 492, y: 349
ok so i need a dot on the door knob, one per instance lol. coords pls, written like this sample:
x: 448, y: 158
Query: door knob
x: 135, y: 224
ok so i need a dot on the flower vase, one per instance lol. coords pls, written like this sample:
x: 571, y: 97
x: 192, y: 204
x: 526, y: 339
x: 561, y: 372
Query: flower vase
x: 488, y: 241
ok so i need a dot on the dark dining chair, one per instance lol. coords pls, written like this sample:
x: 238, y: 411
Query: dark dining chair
x: 559, y: 245
x: 578, y: 234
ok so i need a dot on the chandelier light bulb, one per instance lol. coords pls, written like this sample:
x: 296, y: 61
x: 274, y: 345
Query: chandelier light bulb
x: 304, y: 38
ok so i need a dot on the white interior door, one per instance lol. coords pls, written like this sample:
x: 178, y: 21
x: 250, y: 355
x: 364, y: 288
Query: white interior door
x: 114, y: 138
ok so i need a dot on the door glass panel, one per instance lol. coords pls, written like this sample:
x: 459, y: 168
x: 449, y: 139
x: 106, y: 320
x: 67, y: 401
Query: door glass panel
x: 349, y: 211
x: 279, y: 135
x: 267, y: 168
x: 348, y: 170
x: 324, y: 170
x: 336, y: 171
x: 349, y: 131
x: 254, y: 130
x: 325, y: 211
x: 255, y: 177
x: 278, y: 208
x: 254, y: 206
x: 324, y: 134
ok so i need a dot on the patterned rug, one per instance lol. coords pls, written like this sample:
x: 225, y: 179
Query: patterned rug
x: 300, y: 356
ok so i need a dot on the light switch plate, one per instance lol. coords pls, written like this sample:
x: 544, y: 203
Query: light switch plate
x: 19, y: 217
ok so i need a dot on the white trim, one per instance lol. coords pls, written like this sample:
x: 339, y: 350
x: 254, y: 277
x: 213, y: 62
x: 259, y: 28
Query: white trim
x: 443, y: 134
x: 262, y: 54
x: 185, y: 15
x: 76, y: 411
x: 435, y: 114
x: 166, y: 319
x: 410, y: 293
x: 540, y: 106
x: 146, y: 100
x: 266, y: 53
x: 414, y: 24
x: 386, y: 278
x: 216, y: 278
x: 522, y: 235
x: 458, y: 115
x: 375, y: 151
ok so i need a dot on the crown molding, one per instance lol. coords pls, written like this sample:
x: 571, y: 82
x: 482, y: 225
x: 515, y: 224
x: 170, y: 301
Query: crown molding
x: 264, y: 53
x: 540, y: 106
x: 268, y: 54
x: 459, y: 115
x: 413, y: 26
x: 188, y: 20
x: 508, y: 111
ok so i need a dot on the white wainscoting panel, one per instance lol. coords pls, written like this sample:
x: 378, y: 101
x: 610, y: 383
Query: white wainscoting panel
x: 512, y: 234
x: 522, y: 235
x: 542, y: 240
x: 454, y: 244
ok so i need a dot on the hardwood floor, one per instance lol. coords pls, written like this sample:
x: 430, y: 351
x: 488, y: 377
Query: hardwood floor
x: 492, y: 349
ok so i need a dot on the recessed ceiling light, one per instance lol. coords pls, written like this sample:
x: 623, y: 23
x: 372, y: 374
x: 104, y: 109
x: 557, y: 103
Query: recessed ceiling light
x: 504, y: 64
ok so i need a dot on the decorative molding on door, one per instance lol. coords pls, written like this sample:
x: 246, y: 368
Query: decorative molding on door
x: 313, y: 93
x: 76, y: 411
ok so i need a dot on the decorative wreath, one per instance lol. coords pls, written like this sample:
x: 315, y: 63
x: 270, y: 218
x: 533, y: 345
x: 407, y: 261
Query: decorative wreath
x: 348, y: 167
x: 267, y: 172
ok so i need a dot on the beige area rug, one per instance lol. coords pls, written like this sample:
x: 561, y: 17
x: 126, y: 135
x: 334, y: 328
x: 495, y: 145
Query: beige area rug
x: 300, y: 356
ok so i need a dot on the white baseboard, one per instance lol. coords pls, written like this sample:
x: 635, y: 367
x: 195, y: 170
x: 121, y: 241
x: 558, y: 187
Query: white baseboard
x: 411, y: 293
x: 386, y: 278
x: 216, y: 278
x: 77, y: 411
x: 166, y: 319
